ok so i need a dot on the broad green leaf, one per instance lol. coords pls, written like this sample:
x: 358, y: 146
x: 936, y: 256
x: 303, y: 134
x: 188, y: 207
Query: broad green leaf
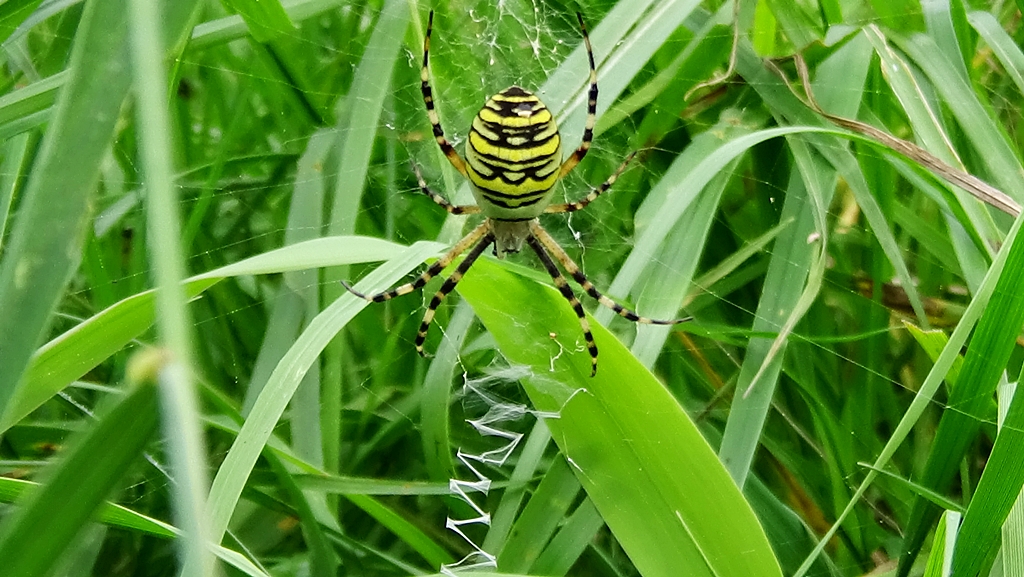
x: 657, y: 483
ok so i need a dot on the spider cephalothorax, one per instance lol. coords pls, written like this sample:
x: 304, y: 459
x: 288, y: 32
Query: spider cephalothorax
x: 513, y: 160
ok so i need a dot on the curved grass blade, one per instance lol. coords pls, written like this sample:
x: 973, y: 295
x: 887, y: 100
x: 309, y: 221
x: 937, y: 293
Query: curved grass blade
x: 125, y: 518
x: 273, y: 400
x: 998, y: 490
x: 58, y: 363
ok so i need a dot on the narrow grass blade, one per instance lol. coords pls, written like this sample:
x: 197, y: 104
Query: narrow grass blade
x: 940, y: 560
x: 436, y: 401
x: 30, y: 542
x: 15, y: 155
x: 988, y: 138
x: 34, y: 101
x: 36, y: 267
x: 984, y: 362
x: 929, y: 387
x: 12, y: 490
x: 433, y: 553
x: 781, y: 101
x: 657, y: 483
x: 186, y: 448
x: 791, y: 259
x: 998, y: 490
x: 572, y: 539
x: 366, y: 101
x: 1002, y: 45
x: 508, y: 508
x: 540, y: 518
x: 273, y: 400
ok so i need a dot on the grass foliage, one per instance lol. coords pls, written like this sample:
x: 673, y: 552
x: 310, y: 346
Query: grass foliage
x: 831, y: 189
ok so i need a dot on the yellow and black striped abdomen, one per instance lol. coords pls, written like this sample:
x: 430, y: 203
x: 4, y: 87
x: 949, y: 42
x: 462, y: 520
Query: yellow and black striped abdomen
x: 514, y: 154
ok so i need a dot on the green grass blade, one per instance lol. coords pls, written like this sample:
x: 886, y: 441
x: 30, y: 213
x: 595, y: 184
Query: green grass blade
x: 929, y: 387
x: 36, y: 267
x: 656, y: 482
x: 366, y: 102
x: 572, y: 539
x: 932, y: 136
x: 34, y: 101
x: 270, y: 405
x: 435, y: 415
x: 940, y: 559
x: 782, y: 103
x: 540, y: 518
x: 185, y: 445
x: 670, y: 275
x: 1002, y: 45
x: 266, y: 19
x: 791, y: 259
x: 16, y: 155
x: 526, y: 468
x: 69, y: 356
x: 11, y: 490
x: 984, y: 362
x: 433, y: 553
x: 30, y: 539
x: 998, y: 490
x: 988, y: 138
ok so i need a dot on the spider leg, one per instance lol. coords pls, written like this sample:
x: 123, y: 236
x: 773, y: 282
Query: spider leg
x: 563, y: 287
x: 428, y: 99
x: 537, y: 231
x: 467, y: 241
x: 588, y: 131
x: 581, y: 204
x: 448, y: 286
x: 440, y: 200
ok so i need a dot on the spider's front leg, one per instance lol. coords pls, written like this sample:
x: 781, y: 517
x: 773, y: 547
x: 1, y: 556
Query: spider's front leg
x: 581, y: 204
x: 467, y: 241
x: 440, y: 200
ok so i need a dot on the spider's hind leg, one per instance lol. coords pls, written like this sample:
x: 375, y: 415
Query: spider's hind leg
x: 448, y: 287
x: 563, y: 287
x: 549, y: 243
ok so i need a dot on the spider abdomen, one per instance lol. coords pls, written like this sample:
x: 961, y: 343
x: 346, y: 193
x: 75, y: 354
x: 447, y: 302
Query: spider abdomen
x: 514, y: 154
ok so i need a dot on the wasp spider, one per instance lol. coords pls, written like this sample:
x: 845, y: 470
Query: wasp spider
x: 513, y: 160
